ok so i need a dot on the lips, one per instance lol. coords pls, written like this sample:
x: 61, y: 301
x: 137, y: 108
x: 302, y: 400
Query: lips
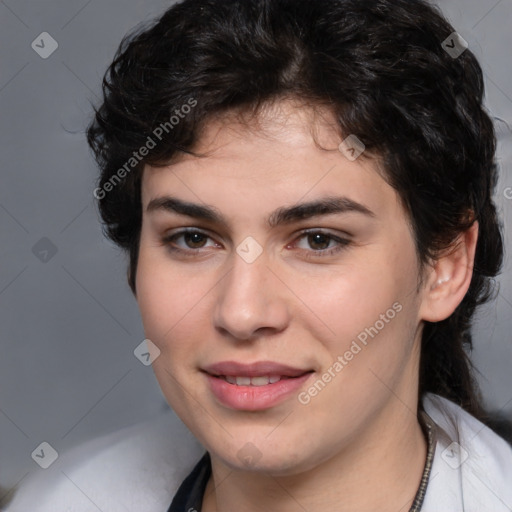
x: 256, y: 386
x: 257, y: 369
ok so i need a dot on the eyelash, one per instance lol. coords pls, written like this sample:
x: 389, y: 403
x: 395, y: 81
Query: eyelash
x: 342, y: 243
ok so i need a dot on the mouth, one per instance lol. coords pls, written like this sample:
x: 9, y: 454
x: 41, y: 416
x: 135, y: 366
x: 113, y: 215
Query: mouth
x: 264, y: 380
x: 266, y: 369
x: 254, y: 386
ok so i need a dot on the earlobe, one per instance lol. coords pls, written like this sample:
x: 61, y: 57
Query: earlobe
x: 449, y: 278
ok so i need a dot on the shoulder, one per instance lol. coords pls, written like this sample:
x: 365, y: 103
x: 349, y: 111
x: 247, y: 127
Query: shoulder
x: 472, y: 468
x: 137, y: 468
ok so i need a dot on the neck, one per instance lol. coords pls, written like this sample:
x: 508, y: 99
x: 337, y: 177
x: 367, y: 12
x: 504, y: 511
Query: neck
x: 380, y: 470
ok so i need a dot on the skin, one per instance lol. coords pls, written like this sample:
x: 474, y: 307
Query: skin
x: 357, y: 445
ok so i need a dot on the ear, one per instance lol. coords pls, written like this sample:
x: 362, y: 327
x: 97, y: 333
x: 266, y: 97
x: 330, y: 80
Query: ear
x: 449, y: 277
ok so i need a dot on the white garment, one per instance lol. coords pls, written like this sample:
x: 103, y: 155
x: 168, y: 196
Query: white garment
x: 140, y: 468
x: 483, y: 481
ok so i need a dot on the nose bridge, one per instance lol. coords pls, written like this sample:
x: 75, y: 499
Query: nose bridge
x: 248, y: 298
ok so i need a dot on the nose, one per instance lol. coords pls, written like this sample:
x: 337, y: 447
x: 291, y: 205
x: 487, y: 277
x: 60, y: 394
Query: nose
x: 251, y: 300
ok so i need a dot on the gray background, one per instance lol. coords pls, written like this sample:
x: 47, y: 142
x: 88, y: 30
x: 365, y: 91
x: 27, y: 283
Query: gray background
x: 69, y: 324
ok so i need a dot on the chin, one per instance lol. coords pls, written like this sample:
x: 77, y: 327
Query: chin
x: 270, y: 460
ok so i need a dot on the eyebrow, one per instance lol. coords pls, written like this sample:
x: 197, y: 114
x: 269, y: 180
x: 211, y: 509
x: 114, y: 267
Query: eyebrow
x: 284, y: 215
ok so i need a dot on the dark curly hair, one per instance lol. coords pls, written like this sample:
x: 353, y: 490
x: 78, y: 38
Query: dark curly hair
x: 381, y: 69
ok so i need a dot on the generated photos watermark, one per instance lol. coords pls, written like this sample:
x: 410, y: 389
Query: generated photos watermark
x: 352, y: 147
x: 151, y: 143
x: 343, y: 360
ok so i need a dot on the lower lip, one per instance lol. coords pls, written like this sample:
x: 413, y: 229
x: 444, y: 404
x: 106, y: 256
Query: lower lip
x: 255, y: 398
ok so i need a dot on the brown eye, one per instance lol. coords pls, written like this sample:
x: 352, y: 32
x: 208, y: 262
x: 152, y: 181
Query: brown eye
x: 319, y: 239
x: 194, y: 239
x: 320, y: 244
x: 187, y: 242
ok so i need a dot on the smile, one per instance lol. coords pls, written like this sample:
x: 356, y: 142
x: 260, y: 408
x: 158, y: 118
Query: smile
x: 255, y: 393
x: 253, y: 381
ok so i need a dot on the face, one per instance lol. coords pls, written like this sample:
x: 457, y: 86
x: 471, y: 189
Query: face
x: 262, y: 281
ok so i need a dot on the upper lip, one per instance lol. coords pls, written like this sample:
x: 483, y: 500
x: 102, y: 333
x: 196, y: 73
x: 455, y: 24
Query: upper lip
x: 256, y: 369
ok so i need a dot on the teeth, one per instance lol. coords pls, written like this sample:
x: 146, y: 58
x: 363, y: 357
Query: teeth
x: 253, y: 381
x: 259, y: 381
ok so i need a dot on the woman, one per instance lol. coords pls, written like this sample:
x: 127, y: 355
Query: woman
x: 304, y: 188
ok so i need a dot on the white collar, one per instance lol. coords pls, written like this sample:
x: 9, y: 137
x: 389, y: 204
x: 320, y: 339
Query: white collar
x: 472, y: 467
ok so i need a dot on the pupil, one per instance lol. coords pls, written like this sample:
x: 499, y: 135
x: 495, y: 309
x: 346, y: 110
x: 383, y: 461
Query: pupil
x: 317, y: 238
x: 194, y: 238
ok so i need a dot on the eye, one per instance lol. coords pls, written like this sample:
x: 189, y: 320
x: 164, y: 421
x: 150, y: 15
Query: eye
x: 321, y: 243
x: 193, y: 239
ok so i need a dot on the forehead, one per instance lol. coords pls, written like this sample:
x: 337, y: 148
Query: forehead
x: 286, y: 154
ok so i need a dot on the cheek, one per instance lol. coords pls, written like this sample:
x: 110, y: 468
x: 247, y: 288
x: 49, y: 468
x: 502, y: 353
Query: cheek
x: 170, y: 307
x: 366, y: 349
x: 173, y: 303
x: 345, y: 302
x: 367, y: 312
x: 153, y: 299
x: 158, y: 295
